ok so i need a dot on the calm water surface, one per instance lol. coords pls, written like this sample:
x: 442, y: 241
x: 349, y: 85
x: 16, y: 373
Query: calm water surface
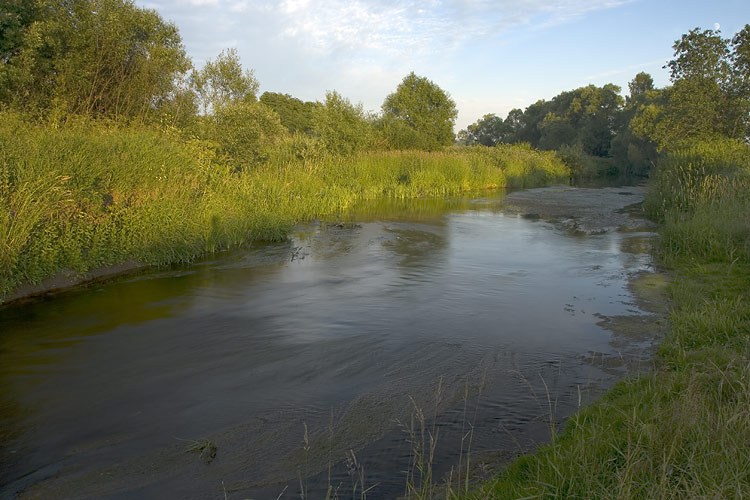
x: 241, y: 374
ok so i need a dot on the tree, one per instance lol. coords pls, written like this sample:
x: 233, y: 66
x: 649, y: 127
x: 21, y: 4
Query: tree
x: 420, y: 105
x: 640, y: 85
x: 342, y: 126
x: 296, y: 115
x: 710, y: 93
x: 15, y: 18
x: 585, y: 116
x: 244, y: 131
x: 634, y: 154
x: 223, y: 81
x: 487, y: 131
x: 92, y: 57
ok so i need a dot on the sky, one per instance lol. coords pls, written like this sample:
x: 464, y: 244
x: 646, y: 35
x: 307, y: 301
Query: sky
x: 490, y: 56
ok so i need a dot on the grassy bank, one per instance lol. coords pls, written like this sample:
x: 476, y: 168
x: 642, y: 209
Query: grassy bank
x: 682, y: 431
x: 92, y: 194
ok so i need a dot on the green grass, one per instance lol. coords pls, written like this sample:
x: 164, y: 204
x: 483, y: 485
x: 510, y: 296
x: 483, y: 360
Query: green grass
x: 94, y: 194
x: 682, y: 431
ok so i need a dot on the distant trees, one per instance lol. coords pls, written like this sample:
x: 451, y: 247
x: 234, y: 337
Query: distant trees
x: 586, y: 116
x: 418, y: 115
x: 342, y: 126
x: 487, y: 131
x: 295, y: 114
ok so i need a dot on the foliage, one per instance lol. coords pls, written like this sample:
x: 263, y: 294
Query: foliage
x: 91, y: 194
x: 710, y: 95
x: 245, y: 132
x: 420, y: 105
x: 583, y: 165
x: 223, y: 82
x: 295, y: 115
x: 633, y: 154
x: 341, y: 125
x: 680, y: 431
x: 15, y: 17
x: 586, y: 118
x: 92, y: 57
x: 487, y: 131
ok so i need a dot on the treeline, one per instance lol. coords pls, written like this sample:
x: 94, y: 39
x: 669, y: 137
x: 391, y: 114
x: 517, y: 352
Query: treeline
x: 681, y: 430
x: 110, y: 60
x: 115, y: 149
x: 597, y: 131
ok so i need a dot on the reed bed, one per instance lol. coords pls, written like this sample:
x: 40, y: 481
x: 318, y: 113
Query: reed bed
x: 94, y: 194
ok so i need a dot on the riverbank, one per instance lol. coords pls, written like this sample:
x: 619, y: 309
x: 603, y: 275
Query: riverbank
x: 85, y: 198
x: 340, y: 331
x: 682, y: 430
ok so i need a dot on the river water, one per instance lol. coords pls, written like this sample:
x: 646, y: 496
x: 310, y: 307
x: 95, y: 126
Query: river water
x: 281, y: 369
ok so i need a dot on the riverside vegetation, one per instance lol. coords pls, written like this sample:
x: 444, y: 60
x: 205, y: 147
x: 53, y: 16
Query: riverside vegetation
x: 91, y: 195
x: 683, y: 430
x: 113, y: 150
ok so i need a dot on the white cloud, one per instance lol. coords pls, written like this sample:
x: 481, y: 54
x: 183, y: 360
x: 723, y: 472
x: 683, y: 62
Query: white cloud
x: 362, y: 48
x: 627, y: 70
x: 413, y: 29
x: 238, y: 7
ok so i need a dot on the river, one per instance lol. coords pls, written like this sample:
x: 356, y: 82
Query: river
x: 262, y: 372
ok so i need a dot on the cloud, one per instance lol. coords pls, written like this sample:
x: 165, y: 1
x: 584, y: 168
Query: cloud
x: 238, y: 6
x: 627, y: 69
x: 362, y: 48
x: 415, y: 29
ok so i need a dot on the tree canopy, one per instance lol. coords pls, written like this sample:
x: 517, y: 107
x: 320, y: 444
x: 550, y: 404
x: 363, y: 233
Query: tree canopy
x: 91, y: 57
x: 223, y: 81
x: 710, y: 92
x: 419, y: 115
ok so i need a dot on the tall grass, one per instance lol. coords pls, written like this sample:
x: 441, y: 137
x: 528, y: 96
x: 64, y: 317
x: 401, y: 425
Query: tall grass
x: 682, y: 431
x: 94, y: 194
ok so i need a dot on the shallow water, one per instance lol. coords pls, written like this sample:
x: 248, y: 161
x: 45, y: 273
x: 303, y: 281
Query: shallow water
x: 251, y: 373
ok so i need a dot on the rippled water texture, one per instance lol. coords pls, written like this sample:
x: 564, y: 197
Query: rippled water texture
x: 241, y: 374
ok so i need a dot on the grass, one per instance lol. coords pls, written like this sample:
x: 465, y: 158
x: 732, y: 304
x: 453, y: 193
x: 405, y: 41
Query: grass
x: 682, y: 431
x: 94, y: 194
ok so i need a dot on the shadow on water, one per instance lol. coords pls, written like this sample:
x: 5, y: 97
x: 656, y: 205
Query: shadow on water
x: 257, y: 370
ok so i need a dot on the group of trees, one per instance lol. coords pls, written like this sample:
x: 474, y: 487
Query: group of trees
x: 709, y: 97
x: 583, y: 124
x: 111, y: 59
x: 710, y: 92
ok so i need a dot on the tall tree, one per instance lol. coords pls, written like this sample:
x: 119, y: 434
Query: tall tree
x: 710, y: 92
x: 423, y: 107
x: 487, y: 131
x: 223, y: 81
x: 295, y: 115
x: 94, y: 57
x: 343, y: 126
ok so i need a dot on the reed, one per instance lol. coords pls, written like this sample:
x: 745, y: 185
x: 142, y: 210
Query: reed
x: 95, y: 194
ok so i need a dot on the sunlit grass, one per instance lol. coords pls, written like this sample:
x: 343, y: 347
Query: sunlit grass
x: 91, y: 194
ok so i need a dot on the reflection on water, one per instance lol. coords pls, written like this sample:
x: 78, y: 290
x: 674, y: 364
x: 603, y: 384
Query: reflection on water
x: 342, y: 331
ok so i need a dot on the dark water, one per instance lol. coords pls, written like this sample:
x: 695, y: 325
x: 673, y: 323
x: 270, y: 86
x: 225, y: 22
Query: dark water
x: 253, y: 373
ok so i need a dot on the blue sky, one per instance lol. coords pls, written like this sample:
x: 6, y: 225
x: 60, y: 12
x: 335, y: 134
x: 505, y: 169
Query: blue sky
x: 491, y: 56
